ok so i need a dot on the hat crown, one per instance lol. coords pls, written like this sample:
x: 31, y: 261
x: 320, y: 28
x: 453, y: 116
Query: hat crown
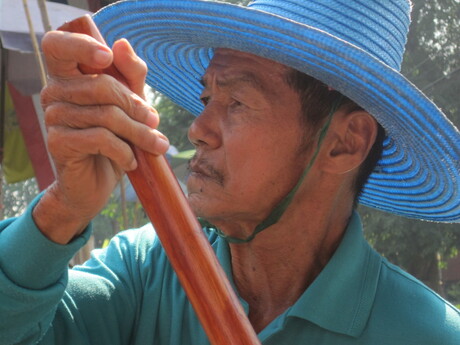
x: 379, y: 27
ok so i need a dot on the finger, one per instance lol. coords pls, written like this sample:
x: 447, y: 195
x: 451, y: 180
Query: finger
x: 70, y: 145
x: 109, y: 117
x: 99, y: 90
x: 64, y: 51
x: 133, y: 68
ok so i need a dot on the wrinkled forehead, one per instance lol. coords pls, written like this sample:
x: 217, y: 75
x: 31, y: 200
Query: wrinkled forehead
x: 229, y: 64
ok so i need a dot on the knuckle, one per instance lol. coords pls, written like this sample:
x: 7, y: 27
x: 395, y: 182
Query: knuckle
x: 54, y: 141
x: 101, y: 81
x: 102, y: 135
x: 49, y: 42
x: 137, y: 106
x: 113, y: 147
x: 54, y: 91
x: 47, y: 94
x: 143, y: 112
x: 44, y: 97
x: 52, y: 114
x: 109, y: 89
x: 142, y: 68
x: 103, y: 115
x: 155, y: 117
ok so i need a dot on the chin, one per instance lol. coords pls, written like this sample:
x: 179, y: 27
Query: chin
x: 196, y: 202
x: 201, y: 205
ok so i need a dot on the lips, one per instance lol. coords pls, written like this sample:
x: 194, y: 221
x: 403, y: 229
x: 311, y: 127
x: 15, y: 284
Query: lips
x: 198, y: 170
x: 201, y: 168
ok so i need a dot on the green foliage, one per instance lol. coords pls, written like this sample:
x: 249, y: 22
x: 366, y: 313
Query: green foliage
x: 174, y: 122
x: 432, y: 59
x: 118, y: 214
x: 453, y: 293
x: 421, y: 248
x: 132, y: 217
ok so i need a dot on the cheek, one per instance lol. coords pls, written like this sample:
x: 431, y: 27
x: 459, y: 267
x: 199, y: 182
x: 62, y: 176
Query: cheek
x: 254, y: 167
x: 263, y: 154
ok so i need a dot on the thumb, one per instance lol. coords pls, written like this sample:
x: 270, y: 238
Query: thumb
x: 133, y: 69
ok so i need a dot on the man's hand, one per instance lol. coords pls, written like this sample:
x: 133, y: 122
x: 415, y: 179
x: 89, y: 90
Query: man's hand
x: 90, y: 119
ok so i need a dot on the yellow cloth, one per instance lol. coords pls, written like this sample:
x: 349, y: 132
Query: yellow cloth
x: 16, y: 162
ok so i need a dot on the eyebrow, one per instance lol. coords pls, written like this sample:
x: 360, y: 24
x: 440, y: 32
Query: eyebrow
x: 235, y: 79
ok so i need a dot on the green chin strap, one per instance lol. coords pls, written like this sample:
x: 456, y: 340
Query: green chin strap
x: 279, y: 209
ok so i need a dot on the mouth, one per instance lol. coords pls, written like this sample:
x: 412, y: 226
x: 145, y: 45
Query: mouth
x: 202, y: 169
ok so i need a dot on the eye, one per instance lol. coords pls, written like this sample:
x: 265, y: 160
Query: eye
x: 204, y: 100
x: 236, y: 104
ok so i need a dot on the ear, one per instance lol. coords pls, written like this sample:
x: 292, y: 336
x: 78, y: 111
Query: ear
x: 351, y: 136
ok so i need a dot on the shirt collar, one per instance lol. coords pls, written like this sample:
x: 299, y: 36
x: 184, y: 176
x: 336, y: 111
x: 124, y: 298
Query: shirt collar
x: 340, y: 298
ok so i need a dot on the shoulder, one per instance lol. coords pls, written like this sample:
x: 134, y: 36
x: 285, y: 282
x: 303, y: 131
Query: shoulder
x: 139, y: 240
x: 142, y: 244
x: 413, y: 312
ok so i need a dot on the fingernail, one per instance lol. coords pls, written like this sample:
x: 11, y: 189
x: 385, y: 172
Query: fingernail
x: 102, y: 56
x: 152, y: 118
x: 162, y: 145
x: 133, y: 165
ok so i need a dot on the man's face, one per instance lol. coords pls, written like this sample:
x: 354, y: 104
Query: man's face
x: 248, y: 140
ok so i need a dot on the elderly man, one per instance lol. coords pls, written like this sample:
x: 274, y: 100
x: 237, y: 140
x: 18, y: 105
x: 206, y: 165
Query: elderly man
x: 294, y: 98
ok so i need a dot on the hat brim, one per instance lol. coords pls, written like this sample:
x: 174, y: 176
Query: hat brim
x: 418, y: 175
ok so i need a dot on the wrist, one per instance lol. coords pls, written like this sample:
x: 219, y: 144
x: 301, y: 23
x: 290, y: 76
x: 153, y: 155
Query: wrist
x: 56, y: 220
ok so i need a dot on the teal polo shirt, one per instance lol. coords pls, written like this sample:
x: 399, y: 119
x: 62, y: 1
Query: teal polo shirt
x: 128, y: 293
x: 360, y: 298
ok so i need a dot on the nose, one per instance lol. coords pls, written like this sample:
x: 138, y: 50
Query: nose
x: 205, y: 131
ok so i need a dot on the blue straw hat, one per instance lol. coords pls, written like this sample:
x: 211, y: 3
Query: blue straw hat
x: 353, y: 46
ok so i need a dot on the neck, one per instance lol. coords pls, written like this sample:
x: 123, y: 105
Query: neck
x: 272, y: 271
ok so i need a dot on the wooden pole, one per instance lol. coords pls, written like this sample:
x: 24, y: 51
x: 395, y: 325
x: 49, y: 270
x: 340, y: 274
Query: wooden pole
x: 183, y: 240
